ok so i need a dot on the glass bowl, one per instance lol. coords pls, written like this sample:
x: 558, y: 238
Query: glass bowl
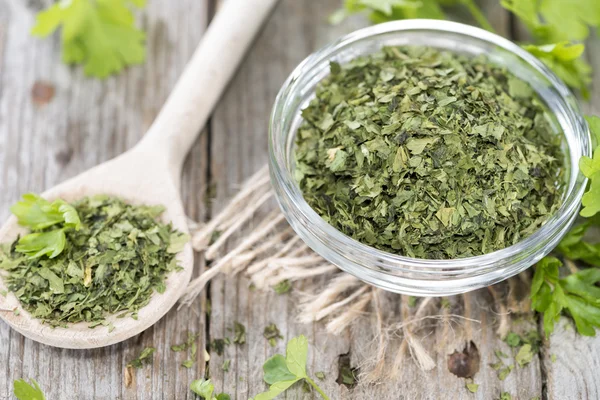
x: 423, y: 277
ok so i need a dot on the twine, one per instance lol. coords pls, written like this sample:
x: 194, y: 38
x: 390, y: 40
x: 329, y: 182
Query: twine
x: 273, y: 253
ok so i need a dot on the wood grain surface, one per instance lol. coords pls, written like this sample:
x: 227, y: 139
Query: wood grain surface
x: 87, y: 121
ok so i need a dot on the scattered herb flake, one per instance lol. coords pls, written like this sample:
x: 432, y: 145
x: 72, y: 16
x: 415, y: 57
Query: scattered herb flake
x: 524, y: 356
x: 513, y: 340
x: 239, y: 333
x: 320, y: 375
x: 283, y: 287
x: 505, y: 371
x: 145, y: 357
x: 226, y: 365
x: 188, y: 363
x: 412, y: 301
x: 500, y: 354
x: 218, y: 345
x: 472, y: 387
x: 272, y: 334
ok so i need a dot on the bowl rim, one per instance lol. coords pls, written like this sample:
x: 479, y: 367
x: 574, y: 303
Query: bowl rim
x: 574, y: 190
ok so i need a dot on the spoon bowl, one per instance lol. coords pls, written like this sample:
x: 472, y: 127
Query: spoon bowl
x: 137, y: 181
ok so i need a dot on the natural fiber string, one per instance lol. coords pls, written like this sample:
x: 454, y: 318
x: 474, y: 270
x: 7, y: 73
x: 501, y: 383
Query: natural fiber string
x: 271, y: 253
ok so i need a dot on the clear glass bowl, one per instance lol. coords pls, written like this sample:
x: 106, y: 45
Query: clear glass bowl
x: 420, y: 277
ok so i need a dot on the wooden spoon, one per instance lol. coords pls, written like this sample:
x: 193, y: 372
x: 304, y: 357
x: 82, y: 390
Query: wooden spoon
x: 150, y: 173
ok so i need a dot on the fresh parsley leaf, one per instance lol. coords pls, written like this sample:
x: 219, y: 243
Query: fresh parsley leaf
x: 35, y: 212
x: 69, y: 214
x: 296, y: 353
x: 576, y: 294
x: 564, y: 58
x: 556, y: 20
x: 49, y: 244
x: 100, y: 34
x: 275, y: 369
x: 275, y: 390
x: 590, y: 167
x: 594, y: 124
x: 223, y: 396
x: 28, y: 391
x: 390, y: 10
x: 282, y: 372
x: 203, y: 388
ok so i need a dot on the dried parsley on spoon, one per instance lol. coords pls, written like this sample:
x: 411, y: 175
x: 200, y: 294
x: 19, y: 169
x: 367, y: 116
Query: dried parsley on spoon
x: 84, y: 261
x: 429, y: 154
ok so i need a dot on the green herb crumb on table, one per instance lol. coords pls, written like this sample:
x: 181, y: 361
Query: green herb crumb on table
x: 89, y: 260
x: 429, y: 154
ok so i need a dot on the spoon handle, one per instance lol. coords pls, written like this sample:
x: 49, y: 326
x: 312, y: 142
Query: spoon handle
x: 205, y: 77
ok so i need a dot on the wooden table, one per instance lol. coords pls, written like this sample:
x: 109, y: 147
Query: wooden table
x: 44, y: 141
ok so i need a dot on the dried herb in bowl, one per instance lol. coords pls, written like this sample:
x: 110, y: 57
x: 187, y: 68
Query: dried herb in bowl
x: 87, y: 260
x: 429, y: 154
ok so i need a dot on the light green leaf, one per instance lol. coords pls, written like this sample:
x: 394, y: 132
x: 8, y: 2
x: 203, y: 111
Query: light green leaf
x: 49, y: 244
x: 56, y: 284
x: 275, y: 390
x: 296, y: 354
x: 101, y: 34
x: 594, y: 124
x: 35, y: 212
x: 177, y: 242
x: 564, y: 58
x: 203, y: 388
x: 27, y: 391
x: 69, y: 214
x: 276, y: 370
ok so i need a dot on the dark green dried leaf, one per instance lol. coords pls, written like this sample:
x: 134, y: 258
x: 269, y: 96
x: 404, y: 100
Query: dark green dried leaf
x: 115, y: 257
x: 429, y: 154
x: 239, y: 332
x: 272, y: 334
x: 145, y: 357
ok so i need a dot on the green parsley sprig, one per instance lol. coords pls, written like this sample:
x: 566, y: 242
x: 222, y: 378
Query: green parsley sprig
x: 38, y: 214
x: 100, y: 34
x: 282, y: 372
x: 577, y: 294
x: 555, y: 25
x: 205, y: 389
x: 28, y: 391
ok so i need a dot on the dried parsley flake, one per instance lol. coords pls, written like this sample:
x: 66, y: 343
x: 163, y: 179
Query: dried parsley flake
x: 429, y: 154
x: 111, y: 261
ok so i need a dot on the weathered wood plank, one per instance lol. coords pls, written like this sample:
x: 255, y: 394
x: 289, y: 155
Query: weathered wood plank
x: 238, y: 147
x: 87, y: 122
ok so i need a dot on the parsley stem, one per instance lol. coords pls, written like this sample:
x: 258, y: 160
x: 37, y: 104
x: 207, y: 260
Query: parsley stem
x: 478, y: 15
x: 317, y: 388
